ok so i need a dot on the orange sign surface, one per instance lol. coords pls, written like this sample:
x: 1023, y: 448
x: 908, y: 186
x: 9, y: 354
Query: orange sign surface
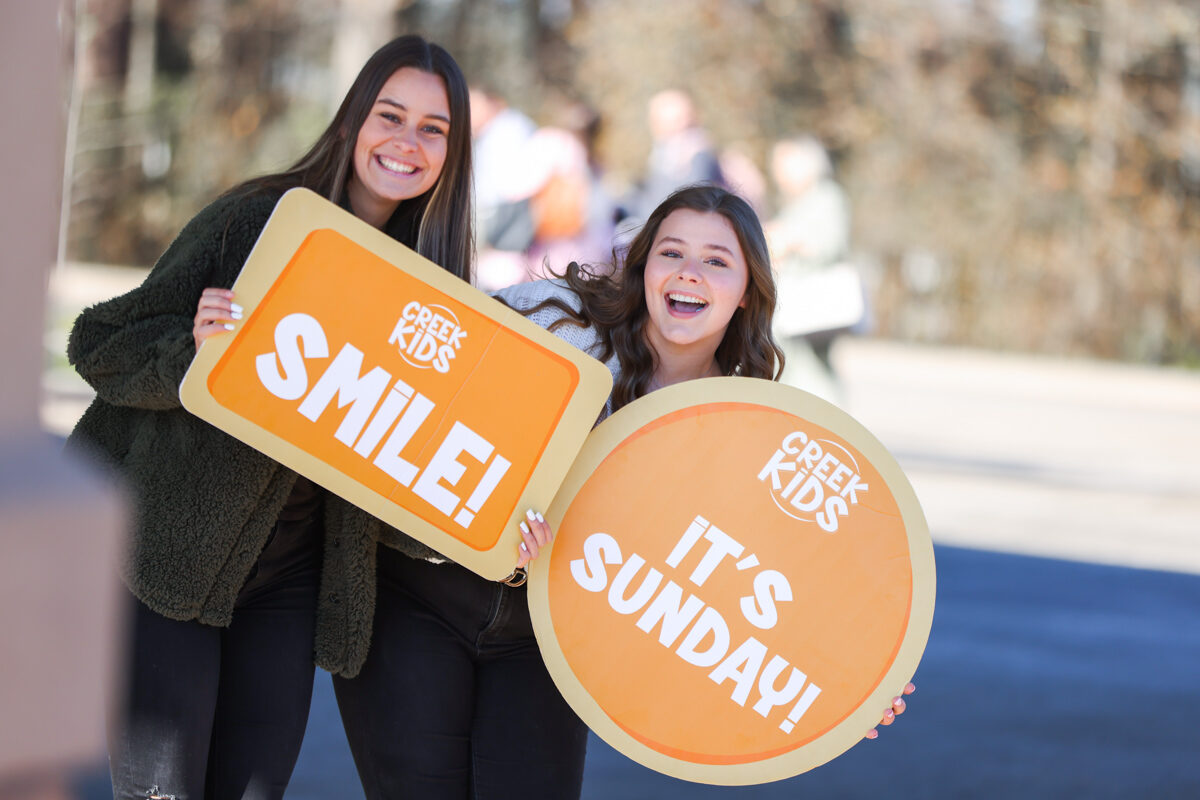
x: 740, y: 582
x: 403, y: 389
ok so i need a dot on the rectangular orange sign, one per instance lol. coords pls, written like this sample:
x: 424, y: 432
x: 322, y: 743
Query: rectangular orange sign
x: 399, y: 387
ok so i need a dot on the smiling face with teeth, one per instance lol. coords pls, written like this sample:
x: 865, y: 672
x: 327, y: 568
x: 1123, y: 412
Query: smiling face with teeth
x: 401, y: 147
x: 695, y: 279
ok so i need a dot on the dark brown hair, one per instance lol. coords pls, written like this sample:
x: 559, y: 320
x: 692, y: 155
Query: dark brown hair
x: 614, y: 303
x: 437, y: 224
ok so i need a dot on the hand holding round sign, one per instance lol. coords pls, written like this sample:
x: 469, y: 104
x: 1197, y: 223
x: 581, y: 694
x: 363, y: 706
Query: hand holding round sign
x: 711, y: 604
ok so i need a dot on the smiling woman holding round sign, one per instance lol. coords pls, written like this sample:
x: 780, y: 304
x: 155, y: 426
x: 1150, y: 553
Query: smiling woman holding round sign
x: 742, y: 578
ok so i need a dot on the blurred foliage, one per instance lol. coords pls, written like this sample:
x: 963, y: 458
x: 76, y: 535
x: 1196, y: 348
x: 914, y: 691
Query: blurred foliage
x: 1024, y: 174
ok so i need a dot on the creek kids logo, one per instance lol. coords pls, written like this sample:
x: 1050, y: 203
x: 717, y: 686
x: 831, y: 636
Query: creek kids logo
x: 428, y: 336
x: 813, y: 480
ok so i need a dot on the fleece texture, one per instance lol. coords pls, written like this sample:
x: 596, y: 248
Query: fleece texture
x: 204, y: 503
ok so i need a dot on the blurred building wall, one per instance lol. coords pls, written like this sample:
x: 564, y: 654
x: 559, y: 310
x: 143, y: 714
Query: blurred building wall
x: 58, y: 524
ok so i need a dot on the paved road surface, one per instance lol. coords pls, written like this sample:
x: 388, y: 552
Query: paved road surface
x: 1064, y: 501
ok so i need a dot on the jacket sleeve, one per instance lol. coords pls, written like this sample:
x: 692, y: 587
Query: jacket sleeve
x: 134, y: 349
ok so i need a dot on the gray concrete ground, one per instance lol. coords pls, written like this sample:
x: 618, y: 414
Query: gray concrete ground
x: 1072, y: 459
x: 1064, y: 501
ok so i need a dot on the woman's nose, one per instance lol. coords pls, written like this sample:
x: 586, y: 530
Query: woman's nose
x: 689, y: 271
x: 406, y: 138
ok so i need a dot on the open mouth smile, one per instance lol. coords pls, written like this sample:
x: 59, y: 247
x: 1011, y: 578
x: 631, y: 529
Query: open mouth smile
x: 393, y: 166
x: 685, y: 305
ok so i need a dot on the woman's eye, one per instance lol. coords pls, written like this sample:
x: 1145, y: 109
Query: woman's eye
x: 434, y: 130
x: 670, y: 254
x: 717, y: 262
x: 390, y: 117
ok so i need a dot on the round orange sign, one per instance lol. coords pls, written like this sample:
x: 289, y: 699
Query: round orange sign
x: 741, y: 580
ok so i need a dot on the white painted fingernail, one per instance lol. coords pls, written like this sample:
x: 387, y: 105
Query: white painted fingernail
x: 236, y: 308
x: 540, y: 518
x: 524, y: 549
x: 532, y: 516
x: 524, y: 529
x: 236, y: 314
x: 229, y: 326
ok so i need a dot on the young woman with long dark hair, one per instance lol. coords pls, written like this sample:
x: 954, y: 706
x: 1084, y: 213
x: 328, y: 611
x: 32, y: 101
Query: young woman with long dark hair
x: 239, y: 570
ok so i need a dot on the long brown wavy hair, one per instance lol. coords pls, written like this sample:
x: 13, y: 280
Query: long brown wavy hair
x: 614, y: 302
x: 437, y: 224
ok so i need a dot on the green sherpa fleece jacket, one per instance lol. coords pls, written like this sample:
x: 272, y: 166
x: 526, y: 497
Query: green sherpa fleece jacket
x: 204, y: 503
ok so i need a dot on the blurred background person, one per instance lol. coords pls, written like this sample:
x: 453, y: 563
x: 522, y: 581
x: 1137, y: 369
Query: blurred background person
x: 742, y: 176
x: 682, y: 153
x: 820, y: 296
x: 499, y: 135
x: 571, y: 211
x: 541, y: 201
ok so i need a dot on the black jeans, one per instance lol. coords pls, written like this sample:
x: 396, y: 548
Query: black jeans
x: 454, y: 701
x: 220, y: 713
